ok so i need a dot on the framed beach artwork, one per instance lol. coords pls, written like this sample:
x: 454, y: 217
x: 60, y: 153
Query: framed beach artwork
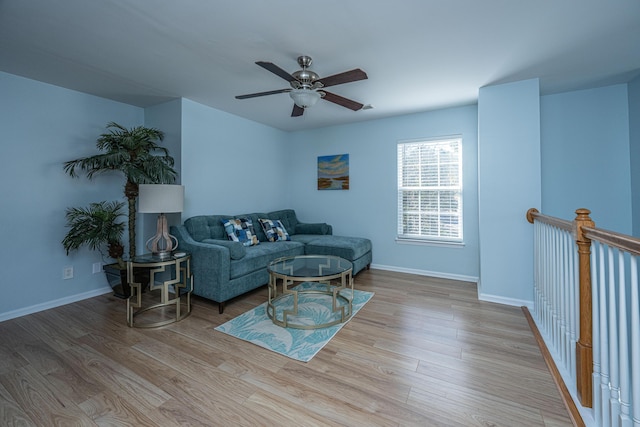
x: 333, y: 172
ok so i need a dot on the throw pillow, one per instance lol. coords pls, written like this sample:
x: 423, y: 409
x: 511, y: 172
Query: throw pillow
x: 240, y: 230
x: 274, y: 230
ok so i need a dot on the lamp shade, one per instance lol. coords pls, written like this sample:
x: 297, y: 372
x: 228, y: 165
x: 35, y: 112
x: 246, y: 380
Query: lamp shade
x: 304, y: 97
x: 160, y: 198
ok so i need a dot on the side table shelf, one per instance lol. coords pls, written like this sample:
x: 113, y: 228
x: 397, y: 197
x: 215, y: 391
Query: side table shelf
x: 174, y: 286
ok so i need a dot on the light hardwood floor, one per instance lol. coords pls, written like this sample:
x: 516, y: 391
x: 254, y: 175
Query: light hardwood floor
x: 422, y: 352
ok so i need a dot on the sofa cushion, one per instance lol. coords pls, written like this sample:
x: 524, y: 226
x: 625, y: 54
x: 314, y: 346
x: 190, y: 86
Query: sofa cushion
x: 303, y: 238
x: 349, y: 248
x: 241, y: 230
x: 274, y: 229
x: 287, y: 217
x: 317, y: 228
x: 206, y: 227
x: 258, y: 257
x: 236, y: 249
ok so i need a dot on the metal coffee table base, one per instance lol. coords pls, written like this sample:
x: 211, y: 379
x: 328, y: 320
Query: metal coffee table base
x: 342, y: 312
x: 329, y: 275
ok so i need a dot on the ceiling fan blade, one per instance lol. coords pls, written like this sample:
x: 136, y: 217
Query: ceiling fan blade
x: 271, y: 92
x: 342, y: 101
x: 346, y: 77
x: 270, y: 66
x: 297, y: 111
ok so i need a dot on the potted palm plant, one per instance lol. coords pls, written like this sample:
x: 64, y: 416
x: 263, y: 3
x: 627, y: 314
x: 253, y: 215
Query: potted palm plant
x: 97, y: 227
x: 137, y: 154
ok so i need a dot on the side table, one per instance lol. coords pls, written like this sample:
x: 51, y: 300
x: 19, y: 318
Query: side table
x: 174, y: 286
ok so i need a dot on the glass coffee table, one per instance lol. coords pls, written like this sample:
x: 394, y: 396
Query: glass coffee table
x: 306, y: 291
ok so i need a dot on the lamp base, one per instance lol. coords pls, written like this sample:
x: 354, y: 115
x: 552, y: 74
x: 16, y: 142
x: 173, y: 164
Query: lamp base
x: 161, y: 255
x: 163, y: 243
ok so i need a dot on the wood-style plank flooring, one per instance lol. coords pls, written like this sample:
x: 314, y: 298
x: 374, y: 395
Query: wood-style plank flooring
x: 422, y: 352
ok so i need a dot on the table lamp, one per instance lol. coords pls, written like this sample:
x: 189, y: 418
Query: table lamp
x: 161, y: 199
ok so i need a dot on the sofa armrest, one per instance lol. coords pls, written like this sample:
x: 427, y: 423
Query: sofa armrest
x: 315, y: 228
x: 236, y: 249
x: 210, y: 264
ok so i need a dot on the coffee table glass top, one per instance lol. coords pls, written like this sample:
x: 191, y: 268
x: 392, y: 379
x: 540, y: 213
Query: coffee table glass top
x: 310, y: 266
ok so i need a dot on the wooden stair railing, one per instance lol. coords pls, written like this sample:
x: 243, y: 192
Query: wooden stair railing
x: 603, y: 288
x: 584, y: 350
x: 584, y: 346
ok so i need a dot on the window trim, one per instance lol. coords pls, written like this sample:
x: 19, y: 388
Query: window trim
x: 424, y: 239
x: 430, y: 242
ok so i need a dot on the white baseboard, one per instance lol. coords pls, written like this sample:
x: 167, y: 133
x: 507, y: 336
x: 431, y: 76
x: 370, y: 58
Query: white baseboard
x: 482, y: 297
x: 55, y: 303
x: 506, y: 301
x: 439, y: 275
x: 105, y: 290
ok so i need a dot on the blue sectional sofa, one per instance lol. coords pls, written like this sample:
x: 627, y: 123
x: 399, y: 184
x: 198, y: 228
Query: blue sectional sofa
x: 224, y: 269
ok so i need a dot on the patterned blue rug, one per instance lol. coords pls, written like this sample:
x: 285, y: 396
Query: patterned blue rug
x: 299, y: 344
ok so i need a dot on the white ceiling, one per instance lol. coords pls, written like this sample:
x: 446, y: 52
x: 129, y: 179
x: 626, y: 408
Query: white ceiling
x: 419, y: 54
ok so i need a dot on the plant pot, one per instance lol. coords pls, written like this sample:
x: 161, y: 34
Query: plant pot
x: 117, y: 278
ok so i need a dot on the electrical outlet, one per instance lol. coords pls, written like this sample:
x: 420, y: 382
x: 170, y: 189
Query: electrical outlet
x: 97, y: 267
x: 67, y: 272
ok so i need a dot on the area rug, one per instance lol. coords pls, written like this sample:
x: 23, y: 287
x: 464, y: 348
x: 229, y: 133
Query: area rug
x: 299, y: 344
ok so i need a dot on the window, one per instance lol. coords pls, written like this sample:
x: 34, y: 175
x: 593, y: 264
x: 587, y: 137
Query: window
x: 430, y: 190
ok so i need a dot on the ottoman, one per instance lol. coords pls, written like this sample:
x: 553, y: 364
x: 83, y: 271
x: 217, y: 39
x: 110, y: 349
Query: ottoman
x: 355, y: 249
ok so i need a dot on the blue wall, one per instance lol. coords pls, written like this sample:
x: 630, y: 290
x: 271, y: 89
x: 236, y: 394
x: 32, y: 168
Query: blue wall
x: 634, y: 142
x: 231, y: 165
x: 585, y: 156
x: 168, y: 118
x: 509, y: 184
x: 42, y: 127
x: 369, y: 207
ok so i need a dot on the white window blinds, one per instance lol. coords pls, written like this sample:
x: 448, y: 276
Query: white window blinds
x: 430, y: 190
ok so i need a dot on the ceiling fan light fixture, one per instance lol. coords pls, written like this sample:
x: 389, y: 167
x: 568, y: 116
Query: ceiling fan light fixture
x: 305, y: 98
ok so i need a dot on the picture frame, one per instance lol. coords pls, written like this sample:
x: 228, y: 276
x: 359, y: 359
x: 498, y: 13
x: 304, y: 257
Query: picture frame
x: 333, y: 172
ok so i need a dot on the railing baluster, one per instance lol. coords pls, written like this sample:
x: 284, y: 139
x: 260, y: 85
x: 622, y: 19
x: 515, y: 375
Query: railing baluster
x: 635, y: 341
x: 614, y: 391
x: 554, y: 289
x: 559, y: 290
x: 566, y: 298
x: 545, y: 284
x: 604, y: 340
x: 547, y: 304
x: 624, y: 373
x: 541, y: 278
x: 597, y: 264
x: 573, y: 304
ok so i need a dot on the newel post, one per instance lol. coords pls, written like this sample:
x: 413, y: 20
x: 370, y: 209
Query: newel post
x: 584, y: 349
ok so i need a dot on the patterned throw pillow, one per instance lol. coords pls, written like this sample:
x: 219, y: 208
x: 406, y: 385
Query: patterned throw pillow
x: 240, y: 230
x: 274, y: 230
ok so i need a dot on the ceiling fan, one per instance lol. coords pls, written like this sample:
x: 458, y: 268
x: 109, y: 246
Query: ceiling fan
x: 307, y: 87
